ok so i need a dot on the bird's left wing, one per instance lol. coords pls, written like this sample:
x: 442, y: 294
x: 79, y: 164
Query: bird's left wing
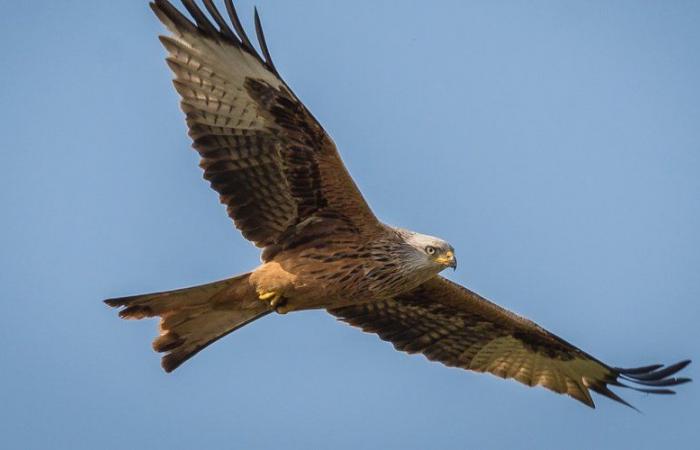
x: 273, y: 165
x: 450, y: 324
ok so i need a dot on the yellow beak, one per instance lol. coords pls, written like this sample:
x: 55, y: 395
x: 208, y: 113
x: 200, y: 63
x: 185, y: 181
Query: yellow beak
x: 447, y: 260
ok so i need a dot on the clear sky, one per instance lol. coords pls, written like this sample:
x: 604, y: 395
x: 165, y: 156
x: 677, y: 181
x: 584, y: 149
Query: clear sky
x: 556, y: 145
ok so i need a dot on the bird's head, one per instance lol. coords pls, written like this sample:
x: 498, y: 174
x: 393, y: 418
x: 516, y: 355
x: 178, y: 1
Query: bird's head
x: 434, y: 252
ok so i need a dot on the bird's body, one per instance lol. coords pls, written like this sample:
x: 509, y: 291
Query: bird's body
x: 347, y: 269
x: 287, y: 190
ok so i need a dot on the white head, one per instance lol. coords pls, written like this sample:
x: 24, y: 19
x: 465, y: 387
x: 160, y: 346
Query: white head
x: 429, y: 253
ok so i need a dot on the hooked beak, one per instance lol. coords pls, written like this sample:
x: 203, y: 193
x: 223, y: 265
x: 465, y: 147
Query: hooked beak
x: 448, y: 260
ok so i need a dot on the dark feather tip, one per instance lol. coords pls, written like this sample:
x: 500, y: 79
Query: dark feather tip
x: 263, y: 44
x: 205, y: 26
x: 659, y: 373
x: 656, y: 376
x: 233, y: 15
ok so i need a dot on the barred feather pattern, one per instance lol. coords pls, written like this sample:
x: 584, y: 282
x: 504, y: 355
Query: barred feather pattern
x: 271, y: 162
x: 452, y: 325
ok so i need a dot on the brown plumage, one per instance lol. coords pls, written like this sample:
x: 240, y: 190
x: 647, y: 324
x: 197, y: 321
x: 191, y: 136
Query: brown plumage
x: 285, y: 187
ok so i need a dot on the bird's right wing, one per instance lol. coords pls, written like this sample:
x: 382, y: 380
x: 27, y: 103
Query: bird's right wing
x: 271, y: 162
x: 450, y: 324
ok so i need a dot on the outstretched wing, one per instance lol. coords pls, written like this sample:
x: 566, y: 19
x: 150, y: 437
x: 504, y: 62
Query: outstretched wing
x: 452, y: 325
x: 271, y: 162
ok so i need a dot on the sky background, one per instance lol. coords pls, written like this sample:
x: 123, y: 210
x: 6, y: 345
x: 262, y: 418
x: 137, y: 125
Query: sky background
x: 556, y: 145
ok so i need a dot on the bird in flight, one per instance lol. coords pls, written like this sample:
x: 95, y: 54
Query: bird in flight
x: 285, y: 187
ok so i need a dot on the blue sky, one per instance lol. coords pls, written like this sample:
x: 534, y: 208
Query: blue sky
x: 556, y: 145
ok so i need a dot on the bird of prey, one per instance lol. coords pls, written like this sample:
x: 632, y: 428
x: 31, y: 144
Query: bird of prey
x: 285, y: 187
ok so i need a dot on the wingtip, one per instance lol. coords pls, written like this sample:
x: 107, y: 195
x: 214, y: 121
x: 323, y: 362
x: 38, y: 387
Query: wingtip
x: 236, y: 22
x: 650, y: 379
x: 263, y: 43
x: 654, y: 374
x: 588, y: 402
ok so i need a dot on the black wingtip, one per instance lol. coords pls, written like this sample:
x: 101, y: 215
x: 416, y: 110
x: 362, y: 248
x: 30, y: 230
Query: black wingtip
x: 651, y: 379
x: 656, y: 373
x: 204, y: 25
x: 263, y: 44
x: 602, y: 389
x: 165, y: 8
x: 236, y: 22
x: 223, y: 26
x: 657, y: 376
x: 636, y: 370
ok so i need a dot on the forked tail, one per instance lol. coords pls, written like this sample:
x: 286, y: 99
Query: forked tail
x: 194, y: 317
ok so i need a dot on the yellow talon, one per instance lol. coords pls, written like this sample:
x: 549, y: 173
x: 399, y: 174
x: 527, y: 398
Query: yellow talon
x: 271, y: 297
x: 266, y: 295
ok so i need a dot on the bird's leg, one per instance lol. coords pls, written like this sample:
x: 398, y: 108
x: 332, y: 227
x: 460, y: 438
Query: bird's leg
x: 275, y: 299
x: 272, y: 285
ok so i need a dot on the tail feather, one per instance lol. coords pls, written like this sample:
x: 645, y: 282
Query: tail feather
x: 192, y: 318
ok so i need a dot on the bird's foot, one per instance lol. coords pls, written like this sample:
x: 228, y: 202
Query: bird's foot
x: 275, y: 299
x: 272, y: 298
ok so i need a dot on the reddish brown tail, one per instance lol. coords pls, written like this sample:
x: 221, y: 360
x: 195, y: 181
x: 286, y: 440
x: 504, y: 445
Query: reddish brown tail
x: 194, y: 317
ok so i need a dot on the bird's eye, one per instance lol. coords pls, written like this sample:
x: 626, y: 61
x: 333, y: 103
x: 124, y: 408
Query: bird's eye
x: 430, y: 250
